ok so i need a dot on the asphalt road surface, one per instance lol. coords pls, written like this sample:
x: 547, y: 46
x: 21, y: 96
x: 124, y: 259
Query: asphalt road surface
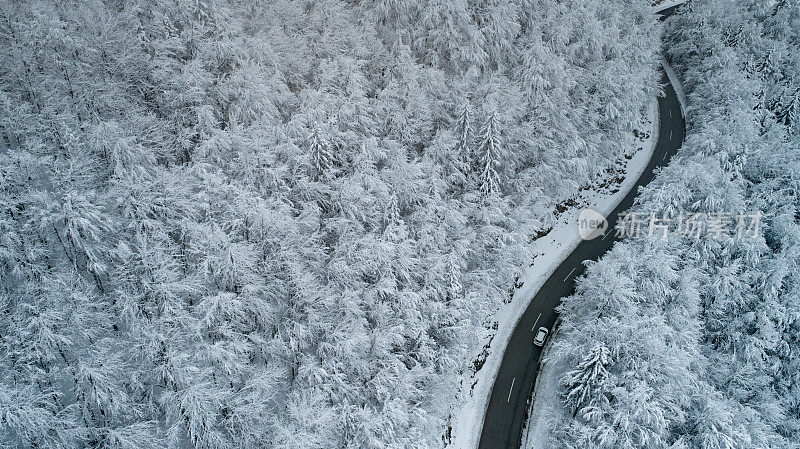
x: 505, y: 415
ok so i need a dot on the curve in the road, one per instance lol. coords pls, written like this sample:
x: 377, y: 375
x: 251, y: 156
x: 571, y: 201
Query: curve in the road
x: 508, y: 404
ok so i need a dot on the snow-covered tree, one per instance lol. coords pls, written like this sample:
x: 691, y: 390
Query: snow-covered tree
x: 464, y: 132
x: 490, y: 154
x: 321, y: 156
x: 587, y: 376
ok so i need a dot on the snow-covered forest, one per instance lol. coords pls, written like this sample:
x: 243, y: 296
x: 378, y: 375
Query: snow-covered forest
x: 238, y: 224
x: 695, y: 343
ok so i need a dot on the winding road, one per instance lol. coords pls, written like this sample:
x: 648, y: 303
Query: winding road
x: 508, y: 404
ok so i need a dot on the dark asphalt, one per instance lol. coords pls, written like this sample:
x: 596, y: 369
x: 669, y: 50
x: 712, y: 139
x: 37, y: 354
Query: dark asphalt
x: 505, y: 415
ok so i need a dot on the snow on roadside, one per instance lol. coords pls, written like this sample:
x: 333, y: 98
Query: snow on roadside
x: 549, y: 251
x: 659, y: 5
x: 673, y: 79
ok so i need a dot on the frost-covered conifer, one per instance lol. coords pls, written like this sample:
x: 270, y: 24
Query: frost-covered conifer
x: 586, y: 378
x: 464, y: 131
x: 489, y: 163
x: 321, y: 156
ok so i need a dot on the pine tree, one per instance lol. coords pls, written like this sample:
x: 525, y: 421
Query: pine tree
x: 446, y: 35
x: 585, y: 378
x: 392, y: 214
x: 454, y: 276
x: 489, y: 155
x: 321, y: 157
x: 465, y: 131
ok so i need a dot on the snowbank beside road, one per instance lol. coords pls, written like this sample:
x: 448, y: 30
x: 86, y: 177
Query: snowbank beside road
x: 549, y: 251
x: 664, y: 4
x: 676, y: 84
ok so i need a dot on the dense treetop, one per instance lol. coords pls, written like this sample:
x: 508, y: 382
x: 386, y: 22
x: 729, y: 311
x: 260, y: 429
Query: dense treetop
x: 283, y: 223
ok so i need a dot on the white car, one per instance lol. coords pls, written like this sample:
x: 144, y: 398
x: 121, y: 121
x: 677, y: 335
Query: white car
x: 541, y: 335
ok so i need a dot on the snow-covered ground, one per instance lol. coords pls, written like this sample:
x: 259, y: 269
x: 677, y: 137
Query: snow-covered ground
x: 676, y: 84
x: 549, y: 251
x: 658, y: 5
